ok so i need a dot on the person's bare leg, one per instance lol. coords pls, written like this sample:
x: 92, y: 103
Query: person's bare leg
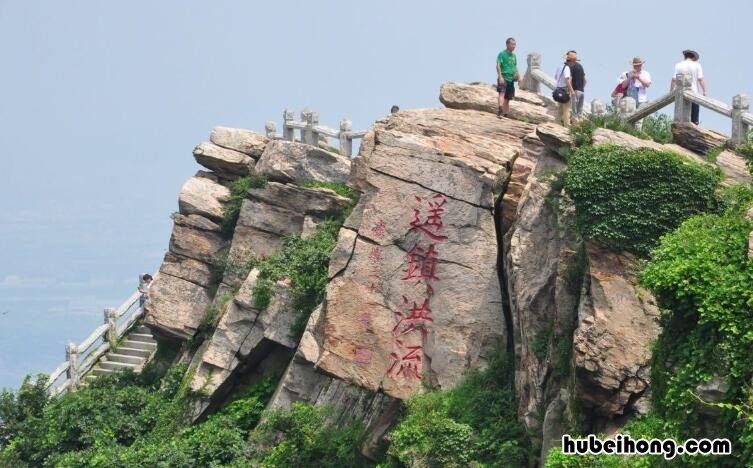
x: 506, y: 106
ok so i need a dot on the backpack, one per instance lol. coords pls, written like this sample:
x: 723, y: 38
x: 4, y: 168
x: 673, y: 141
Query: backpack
x: 560, y: 94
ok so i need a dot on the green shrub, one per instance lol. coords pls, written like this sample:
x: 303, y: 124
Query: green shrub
x: 305, y: 435
x: 238, y: 191
x: 703, y: 280
x: 583, y: 131
x: 474, y: 423
x: 337, y: 187
x: 658, y: 127
x: 305, y: 262
x: 627, y: 198
x: 121, y: 421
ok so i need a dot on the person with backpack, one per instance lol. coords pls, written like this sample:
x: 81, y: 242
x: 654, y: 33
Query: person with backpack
x: 578, y: 77
x: 564, y: 93
x: 507, y: 75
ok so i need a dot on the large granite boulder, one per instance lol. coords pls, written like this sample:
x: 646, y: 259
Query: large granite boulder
x: 288, y: 161
x: 238, y: 139
x: 419, y: 298
x: 179, y: 297
x: 224, y: 162
x: 204, y: 197
x: 617, y: 323
x: 527, y: 106
x: 697, y: 139
x: 556, y: 137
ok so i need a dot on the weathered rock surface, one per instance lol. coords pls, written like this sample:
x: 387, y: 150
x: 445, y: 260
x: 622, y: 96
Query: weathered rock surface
x: 244, y: 333
x: 179, y: 296
x: 301, y: 382
x: 175, y: 305
x: 225, y: 162
x: 427, y: 208
x: 697, y: 139
x: 239, y: 139
x: 527, y: 106
x: 278, y: 210
x: 201, y: 196
x: 734, y: 168
x: 617, y: 323
x: 542, y: 281
x: 555, y: 137
x: 287, y: 161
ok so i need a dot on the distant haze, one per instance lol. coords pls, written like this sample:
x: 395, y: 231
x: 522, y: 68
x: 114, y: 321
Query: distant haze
x: 103, y: 102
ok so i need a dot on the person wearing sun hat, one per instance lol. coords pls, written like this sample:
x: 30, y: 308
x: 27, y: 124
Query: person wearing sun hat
x: 690, y: 66
x: 578, y: 77
x: 637, y: 81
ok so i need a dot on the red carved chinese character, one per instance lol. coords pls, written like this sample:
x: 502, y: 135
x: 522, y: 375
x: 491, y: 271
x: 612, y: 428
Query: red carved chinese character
x: 415, y: 321
x: 433, y: 223
x: 422, y: 264
x: 405, y: 364
x: 379, y: 229
x: 376, y: 254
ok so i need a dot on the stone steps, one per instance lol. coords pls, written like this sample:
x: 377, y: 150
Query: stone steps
x: 133, y: 353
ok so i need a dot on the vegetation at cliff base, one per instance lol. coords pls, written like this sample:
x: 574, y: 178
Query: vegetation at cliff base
x: 473, y: 424
x: 628, y: 198
x: 138, y: 421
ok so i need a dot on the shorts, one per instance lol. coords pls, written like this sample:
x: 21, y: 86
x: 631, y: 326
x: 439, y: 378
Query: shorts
x: 508, y: 88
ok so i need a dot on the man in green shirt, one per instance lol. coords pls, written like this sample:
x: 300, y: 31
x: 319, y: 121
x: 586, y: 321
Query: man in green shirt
x: 507, y: 75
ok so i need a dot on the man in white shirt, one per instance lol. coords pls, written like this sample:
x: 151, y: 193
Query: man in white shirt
x: 636, y: 82
x: 690, y: 66
x: 563, y: 76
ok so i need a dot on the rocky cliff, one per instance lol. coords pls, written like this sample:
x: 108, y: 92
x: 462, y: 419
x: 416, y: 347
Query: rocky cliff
x: 461, y: 246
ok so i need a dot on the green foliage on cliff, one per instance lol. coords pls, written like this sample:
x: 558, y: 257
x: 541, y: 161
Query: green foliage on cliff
x: 474, y: 424
x: 657, y: 127
x: 305, y: 435
x: 141, y: 421
x: 703, y: 279
x: 628, y: 198
x: 337, y: 187
x: 238, y: 191
x: 304, y: 262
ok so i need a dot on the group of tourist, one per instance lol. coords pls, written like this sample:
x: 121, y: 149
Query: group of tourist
x: 571, y: 82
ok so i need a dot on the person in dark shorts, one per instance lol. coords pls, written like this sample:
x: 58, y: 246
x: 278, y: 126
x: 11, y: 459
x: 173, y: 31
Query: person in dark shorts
x: 507, y: 75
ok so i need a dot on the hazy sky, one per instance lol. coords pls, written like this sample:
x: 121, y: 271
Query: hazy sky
x: 102, y: 103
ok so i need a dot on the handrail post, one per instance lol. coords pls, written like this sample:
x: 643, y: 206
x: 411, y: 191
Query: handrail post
x: 288, y: 132
x: 740, y: 104
x: 346, y: 143
x: 626, y: 106
x: 271, y: 129
x: 306, y: 118
x: 112, y: 330
x: 529, y: 82
x: 597, y: 107
x: 71, y: 354
x: 311, y: 123
x: 683, y: 82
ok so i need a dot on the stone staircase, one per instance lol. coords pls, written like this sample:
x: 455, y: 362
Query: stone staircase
x: 133, y: 352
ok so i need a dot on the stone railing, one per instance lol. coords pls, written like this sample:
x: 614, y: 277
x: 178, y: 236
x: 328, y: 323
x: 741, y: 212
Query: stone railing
x: 682, y: 95
x: 311, y: 131
x: 80, y: 359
